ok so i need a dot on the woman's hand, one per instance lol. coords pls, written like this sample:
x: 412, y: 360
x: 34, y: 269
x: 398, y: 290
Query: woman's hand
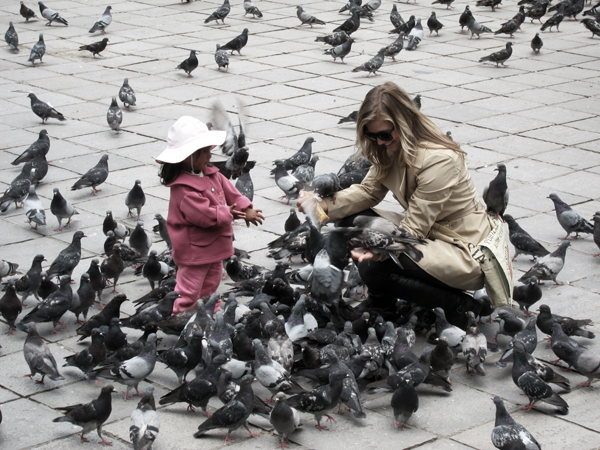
x: 235, y: 213
x: 253, y: 216
x: 310, y: 201
x: 362, y: 254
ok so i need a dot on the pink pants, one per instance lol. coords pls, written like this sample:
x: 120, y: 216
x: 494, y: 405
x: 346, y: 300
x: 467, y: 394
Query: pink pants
x: 194, y: 282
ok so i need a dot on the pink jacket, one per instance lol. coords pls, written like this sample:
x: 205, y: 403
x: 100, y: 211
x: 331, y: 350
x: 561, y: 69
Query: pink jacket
x: 199, y: 220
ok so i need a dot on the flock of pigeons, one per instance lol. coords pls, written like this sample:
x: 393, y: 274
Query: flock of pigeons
x: 295, y: 327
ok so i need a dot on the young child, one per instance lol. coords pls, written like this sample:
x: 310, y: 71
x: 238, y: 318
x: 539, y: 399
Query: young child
x: 202, y: 206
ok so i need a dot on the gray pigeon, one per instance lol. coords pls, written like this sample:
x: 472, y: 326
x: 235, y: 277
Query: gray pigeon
x: 591, y: 25
x: 135, y: 199
x: 144, y: 424
x: 334, y: 39
x: 306, y: 18
x: 220, y: 13
x: 17, y: 191
x: 154, y: 270
x: 7, y: 268
x: 251, y: 9
x: 132, y: 371
x: 221, y: 58
x: 536, y: 43
x: 41, y: 145
x: 34, y: 209
x: 10, y: 306
x: 83, y: 299
x: 508, y: 434
x: 109, y: 224
x: 237, y: 43
x: 91, y: 415
x: 499, y: 57
x: 37, y: 51
x: 51, y: 15
x: 405, y: 401
x: 114, y: 116
x: 570, y: 219
x: 161, y: 228
x: 548, y: 267
x: 341, y: 50
x: 495, y: 194
x: 29, y: 283
x: 372, y: 5
x: 372, y: 65
x: 189, y: 65
x: 52, y: 308
x: 38, y: 356
x: 415, y: 36
x: 476, y: 28
x: 393, y: 49
x: 522, y: 240
x: 474, y: 347
x: 284, y: 418
x: 62, y: 209
x: 68, y: 258
x: 126, y: 94
x: 104, y: 21
x: 509, y: 27
x: 453, y: 334
x: 93, y: 177
x: 11, y: 38
x: 289, y: 184
x: 395, y: 17
x: 139, y: 240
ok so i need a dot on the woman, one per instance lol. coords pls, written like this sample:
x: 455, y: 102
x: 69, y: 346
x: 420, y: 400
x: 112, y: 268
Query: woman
x: 426, y: 173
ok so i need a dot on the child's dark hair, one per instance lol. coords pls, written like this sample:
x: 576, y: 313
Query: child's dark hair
x: 169, y: 172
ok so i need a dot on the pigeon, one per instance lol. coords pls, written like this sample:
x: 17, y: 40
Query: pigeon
x: 251, y: 9
x: 499, y: 57
x: 139, y: 240
x: 47, y: 286
x: 373, y: 65
x: 234, y: 414
x: 152, y: 314
x: 571, y: 327
x: 114, y: 117
x: 591, y: 25
x: 126, y: 94
x: 144, y: 423
x: 93, y: 177
x: 306, y: 18
x: 40, y: 164
x: 476, y: 28
x: 396, y: 18
x: 27, y: 13
x: 135, y: 199
x: 522, y: 241
x: 284, y: 418
x: 221, y: 58
x: 553, y: 21
x: 570, y: 219
x: 586, y: 362
x: 189, y: 65
x: 132, y: 371
x: 302, y: 156
x: 37, y: 52
x: 405, y: 27
x: 495, y: 194
x: 594, y: 11
x: 289, y: 184
x: 41, y: 145
x: 10, y: 306
x: 415, y: 36
x: 104, y: 21
x: 322, y: 399
x: 34, y: 209
x: 68, y: 258
x: 29, y: 283
x: 97, y: 280
x: 90, y: 357
x: 118, y: 229
x: 7, y: 268
x: 95, y: 48
x: 83, y: 299
x: 114, y: 338
x: 509, y: 324
x: 372, y: 5
x: 154, y: 270
x: 11, y: 38
x: 220, y: 13
x: 237, y: 43
x: 509, y: 27
x: 270, y: 373
x: 391, y: 51
x: 334, y: 39
x: 443, y: 329
x: 305, y: 173
x: 441, y: 359
x: 38, y: 356
x: 491, y: 3
x: 113, y: 267
x: 52, y: 308
x: 161, y: 229
x: 103, y: 318
x: 350, y: 25
x: 536, y: 389
x: 433, y: 24
x: 341, y: 50
x: 182, y: 360
x: 464, y: 18
x: 279, y: 348
x: 527, y: 294
x: 405, y: 401
x: 91, y: 415
x: 596, y: 232
x: 549, y: 266
x: 51, y: 15
x: 17, y: 191
x: 508, y: 434
x: 353, y: 115
x: 474, y: 347
x: 448, y: 3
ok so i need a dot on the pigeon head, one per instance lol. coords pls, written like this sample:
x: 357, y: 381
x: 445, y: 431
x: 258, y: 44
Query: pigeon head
x: 247, y: 380
x: 280, y: 396
x: 501, y: 167
x: 85, y: 277
x: 407, y: 379
x: 108, y: 389
x: 596, y: 217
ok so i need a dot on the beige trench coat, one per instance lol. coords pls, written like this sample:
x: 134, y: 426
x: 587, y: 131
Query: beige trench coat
x: 438, y: 190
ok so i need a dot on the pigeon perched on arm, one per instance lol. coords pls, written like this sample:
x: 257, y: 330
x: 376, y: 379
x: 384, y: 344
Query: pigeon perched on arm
x: 95, y: 48
x: 44, y: 110
x: 372, y: 65
x: 306, y: 18
x: 237, y: 43
x: 11, y: 38
x: 570, y: 219
x: 28, y: 13
x: 90, y: 415
x: 508, y: 434
x: 251, y: 9
x: 104, y: 21
x: 114, y: 117
x: 126, y: 94
x: 220, y: 13
x: 135, y: 199
x: 499, y: 57
x: 549, y: 266
x: 51, y: 15
x: 144, y: 423
x: 93, y: 177
x: 38, y: 356
x: 190, y: 64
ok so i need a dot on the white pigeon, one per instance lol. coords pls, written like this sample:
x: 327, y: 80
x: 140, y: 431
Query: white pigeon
x: 34, y: 210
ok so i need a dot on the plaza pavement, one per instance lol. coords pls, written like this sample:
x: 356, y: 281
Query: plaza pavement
x: 539, y: 116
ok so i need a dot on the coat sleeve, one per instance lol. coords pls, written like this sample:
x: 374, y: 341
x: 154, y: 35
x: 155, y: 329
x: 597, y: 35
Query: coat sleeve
x: 435, y: 183
x: 356, y: 198
x: 232, y: 195
x: 196, y: 209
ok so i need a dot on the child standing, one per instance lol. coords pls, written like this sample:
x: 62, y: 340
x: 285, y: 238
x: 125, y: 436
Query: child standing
x: 202, y: 206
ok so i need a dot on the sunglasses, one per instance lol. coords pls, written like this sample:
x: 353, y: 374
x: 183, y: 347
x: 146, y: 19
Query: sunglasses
x: 384, y: 136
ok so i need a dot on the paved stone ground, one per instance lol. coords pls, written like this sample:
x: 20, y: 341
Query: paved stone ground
x: 539, y: 116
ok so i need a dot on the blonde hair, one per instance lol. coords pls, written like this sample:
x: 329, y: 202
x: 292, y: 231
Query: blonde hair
x: 391, y: 103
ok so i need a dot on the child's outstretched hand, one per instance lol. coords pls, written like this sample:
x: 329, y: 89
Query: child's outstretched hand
x: 235, y: 213
x: 253, y: 216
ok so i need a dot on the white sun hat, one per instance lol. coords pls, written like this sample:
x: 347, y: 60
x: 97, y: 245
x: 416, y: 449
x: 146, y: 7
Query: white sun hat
x: 185, y: 137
